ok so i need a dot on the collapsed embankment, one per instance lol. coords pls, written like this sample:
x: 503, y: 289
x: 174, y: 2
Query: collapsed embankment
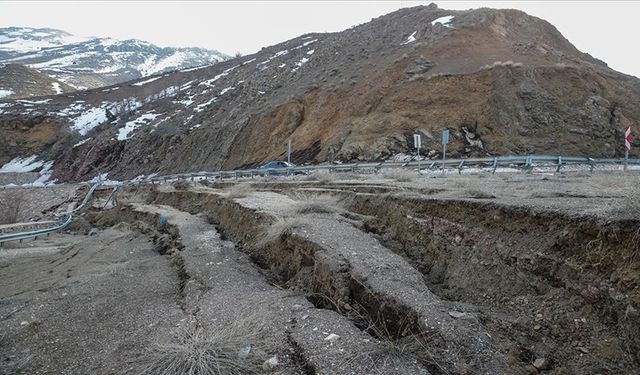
x: 340, y: 267
x: 565, y: 288
x: 543, y: 287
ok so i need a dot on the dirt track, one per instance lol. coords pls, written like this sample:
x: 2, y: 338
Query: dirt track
x: 463, y: 275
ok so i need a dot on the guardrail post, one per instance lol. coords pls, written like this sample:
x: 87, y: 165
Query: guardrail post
x: 495, y: 165
x: 559, y: 164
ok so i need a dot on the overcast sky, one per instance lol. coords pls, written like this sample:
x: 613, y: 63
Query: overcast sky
x: 607, y: 30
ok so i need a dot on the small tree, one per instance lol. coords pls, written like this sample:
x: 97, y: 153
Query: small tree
x: 237, y: 54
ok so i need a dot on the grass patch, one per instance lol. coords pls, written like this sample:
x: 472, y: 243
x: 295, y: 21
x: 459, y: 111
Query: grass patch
x: 182, y: 185
x: 324, y: 177
x: 195, y: 351
x: 240, y: 190
x: 316, y: 204
x: 478, y: 194
x: 400, y: 175
x: 277, y: 229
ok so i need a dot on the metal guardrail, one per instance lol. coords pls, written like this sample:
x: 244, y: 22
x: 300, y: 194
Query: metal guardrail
x: 64, y: 221
x: 527, y: 162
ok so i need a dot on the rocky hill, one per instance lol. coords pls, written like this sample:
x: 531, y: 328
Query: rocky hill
x: 95, y: 62
x: 504, y: 82
x: 18, y: 81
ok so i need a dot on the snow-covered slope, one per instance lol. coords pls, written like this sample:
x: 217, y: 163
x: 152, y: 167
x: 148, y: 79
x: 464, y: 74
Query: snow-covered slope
x: 94, y: 62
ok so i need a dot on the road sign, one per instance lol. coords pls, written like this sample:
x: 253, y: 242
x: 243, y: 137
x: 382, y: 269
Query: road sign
x: 417, y: 142
x: 445, y: 136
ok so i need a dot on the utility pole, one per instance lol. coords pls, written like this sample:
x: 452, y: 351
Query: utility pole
x: 445, y: 140
x: 289, y: 151
x: 417, y: 143
x: 627, y: 145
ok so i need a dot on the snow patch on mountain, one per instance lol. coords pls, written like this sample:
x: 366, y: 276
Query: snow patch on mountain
x: 131, y: 126
x: 445, y: 21
x: 22, y: 165
x: 56, y: 87
x: 411, y: 38
x: 5, y: 92
x: 145, y: 81
x: 89, y: 120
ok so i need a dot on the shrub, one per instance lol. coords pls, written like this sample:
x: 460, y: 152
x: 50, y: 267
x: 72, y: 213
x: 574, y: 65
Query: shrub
x: 181, y: 185
x: 400, y: 175
x: 316, y: 204
x: 240, y: 190
x: 321, y: 176
x: 214, y: 351
x: 478, y: 194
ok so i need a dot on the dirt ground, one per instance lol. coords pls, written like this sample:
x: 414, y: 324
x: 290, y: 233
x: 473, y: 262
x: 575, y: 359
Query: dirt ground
x: 385, y: 273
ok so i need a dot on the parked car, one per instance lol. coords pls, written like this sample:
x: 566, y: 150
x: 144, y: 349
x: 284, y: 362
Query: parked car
x: 276, y: 164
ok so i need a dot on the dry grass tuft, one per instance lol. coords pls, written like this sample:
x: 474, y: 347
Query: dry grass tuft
x: 321, y: 176
x: 181, y: 185
x: 276, y: 229
x: 478, y: 194
x: 316, y: 204
x: 194, y: 351
x: 240, y: 190
x: 400, y: 175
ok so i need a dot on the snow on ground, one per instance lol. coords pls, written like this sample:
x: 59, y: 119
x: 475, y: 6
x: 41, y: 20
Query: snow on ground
x: 145, y: 81
x: 154, y: 65
x: 102, y: 178
x: 131, y: 126
x: 45, y: 175
x: 31, y: 102
x: 411, y: 38
x: 5, y: 93
x: 278, y: 54
x: 81, y: 142
x: 311, y: 52
x: 200, y: 107
x: 194, y: 68
x: 306, y: 43
x: 22, y: 165
x: 210, y: 82
x: 299, y: 63
x: 56, y: 88
x: 89, y: 119
x: 185, y: 102
x: 226, y: 89
x: 64, y: 61
x: 445, y: 21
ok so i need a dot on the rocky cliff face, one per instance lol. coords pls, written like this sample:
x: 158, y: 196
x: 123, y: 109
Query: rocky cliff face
x: 502, y: 81
x: 95, y: 62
